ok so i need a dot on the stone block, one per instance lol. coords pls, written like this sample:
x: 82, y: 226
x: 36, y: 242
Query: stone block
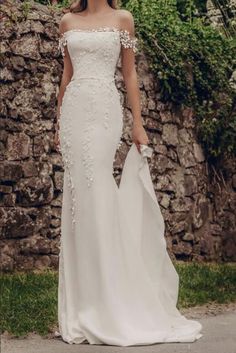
x: 18, y: 224
x: 35, y: 245
x: 42, y: 262
x: 182, y: 249
x: 165, y: 201
x: 161, y: 164
x: 18, y: 145
x: 5, y: 189
x: 190, y: 184
x: 198, y: 152
x: 184, y: 137
x: 188, y: 237
x: 35, y: 191
x: 9, y: 200
x: 178, y: 227
x: 170, y: 135
x: 58, y: 180
x: 30, y: 169
x: 26, y: 46
x: 200, y: 211
x: 7, y: 263
x: 186, y: 156
x: 182, y: 204
x: 11, y: 171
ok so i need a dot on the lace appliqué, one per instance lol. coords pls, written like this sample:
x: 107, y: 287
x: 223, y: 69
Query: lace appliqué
x: 88, y: 159
x: 66, y: 150
x: 127, y: 41
x: 62, y: 43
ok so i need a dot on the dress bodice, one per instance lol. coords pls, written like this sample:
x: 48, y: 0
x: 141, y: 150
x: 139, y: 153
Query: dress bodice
x: 95, y: 52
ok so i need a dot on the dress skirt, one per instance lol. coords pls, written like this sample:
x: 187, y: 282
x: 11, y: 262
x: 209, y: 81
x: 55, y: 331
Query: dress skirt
x: 117, y: 283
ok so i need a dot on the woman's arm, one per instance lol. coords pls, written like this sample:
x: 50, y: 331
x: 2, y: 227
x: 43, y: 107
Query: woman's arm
x: 139, y: 135
x: 66, y: 77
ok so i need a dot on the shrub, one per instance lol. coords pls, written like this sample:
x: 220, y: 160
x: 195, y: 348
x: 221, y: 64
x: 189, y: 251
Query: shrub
x: 194, y: 63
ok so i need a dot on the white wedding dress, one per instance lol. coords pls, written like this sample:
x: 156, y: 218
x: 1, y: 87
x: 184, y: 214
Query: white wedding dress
x: 117, y: 284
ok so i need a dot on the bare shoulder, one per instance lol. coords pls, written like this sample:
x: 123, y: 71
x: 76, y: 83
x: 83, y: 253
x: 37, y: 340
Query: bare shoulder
x: 126, y: 20
x: 65, y: 21
x: 125, y: 15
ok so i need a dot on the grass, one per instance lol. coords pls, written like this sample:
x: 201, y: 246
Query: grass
x: 29, y: 300
x: 206, y: 283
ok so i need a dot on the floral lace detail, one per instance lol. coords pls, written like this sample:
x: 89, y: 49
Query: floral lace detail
x: 127, y: 41
x: 66, y: 151
x: 62, y: 44
x: 88, y: 159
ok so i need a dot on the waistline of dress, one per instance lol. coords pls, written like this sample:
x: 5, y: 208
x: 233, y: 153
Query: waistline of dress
x: 96, y: 78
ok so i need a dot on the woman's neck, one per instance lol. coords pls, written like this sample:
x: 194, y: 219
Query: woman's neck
x: 95, y: 6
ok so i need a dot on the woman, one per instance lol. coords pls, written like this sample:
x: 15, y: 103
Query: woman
x: 117, y: 284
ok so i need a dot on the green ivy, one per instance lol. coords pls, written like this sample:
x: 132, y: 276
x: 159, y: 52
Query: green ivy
x: 193, y: 62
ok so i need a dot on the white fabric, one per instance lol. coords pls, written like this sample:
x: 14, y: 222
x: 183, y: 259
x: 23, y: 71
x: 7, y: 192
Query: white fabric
x: 117, y: 284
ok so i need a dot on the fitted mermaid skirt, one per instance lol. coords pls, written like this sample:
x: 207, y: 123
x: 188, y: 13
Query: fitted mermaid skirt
x: 117, y: 284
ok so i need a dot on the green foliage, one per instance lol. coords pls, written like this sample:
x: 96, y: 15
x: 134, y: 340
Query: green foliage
x: 25, y: 8
x: 60, y: 3
x: 193, y: 62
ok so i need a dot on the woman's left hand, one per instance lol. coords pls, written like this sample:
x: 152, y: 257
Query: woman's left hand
x: 139, y: 135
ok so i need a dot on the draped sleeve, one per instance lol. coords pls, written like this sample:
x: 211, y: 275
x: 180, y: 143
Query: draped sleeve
x: 62, y: 42
x: 128, y: 41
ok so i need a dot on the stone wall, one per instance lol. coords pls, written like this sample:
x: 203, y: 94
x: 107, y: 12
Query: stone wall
x: 198, y: 204
x: 215, y: 15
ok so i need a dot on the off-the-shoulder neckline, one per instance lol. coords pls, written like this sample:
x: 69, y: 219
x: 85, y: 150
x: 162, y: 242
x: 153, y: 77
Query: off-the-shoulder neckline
x: 98, y: 29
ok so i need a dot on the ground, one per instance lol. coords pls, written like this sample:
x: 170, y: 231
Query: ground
x: 219, y: 322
